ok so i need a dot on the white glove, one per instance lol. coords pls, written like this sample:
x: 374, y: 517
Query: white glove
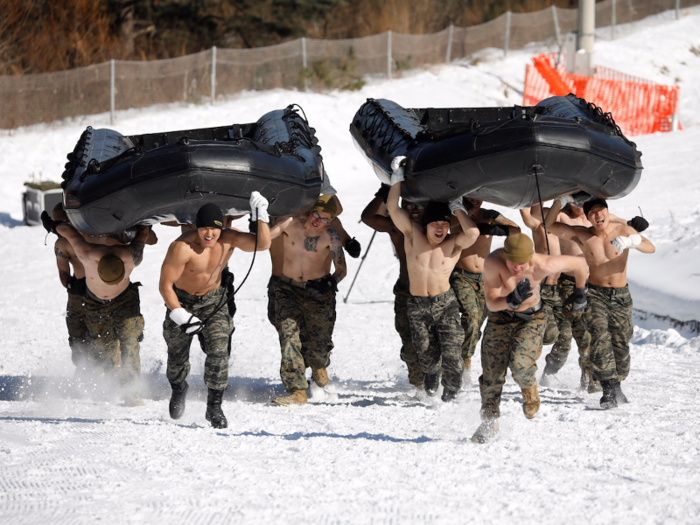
x: 457, y: 204
x: 566, y: 199
x: 622, y: 243
x: 181, y: 316
x: 397, y: 170
x: 258, y: 207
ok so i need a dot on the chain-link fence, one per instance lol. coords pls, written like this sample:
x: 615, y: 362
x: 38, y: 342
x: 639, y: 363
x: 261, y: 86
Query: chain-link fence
x: 304, y: 64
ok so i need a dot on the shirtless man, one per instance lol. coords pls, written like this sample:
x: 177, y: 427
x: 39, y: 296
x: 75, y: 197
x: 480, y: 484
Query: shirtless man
x: 570, y: 325
x: 305, y: 298
x: 112, y: 308
x: 605, y: 246
x: 190, y: 283
x: 372, y: 217
x: 433, y: 310
x: 467, y: 279
x: 75, y: 285
x: 516, y: 323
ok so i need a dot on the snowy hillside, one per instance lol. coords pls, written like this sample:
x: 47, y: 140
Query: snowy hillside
x: 367, y: 451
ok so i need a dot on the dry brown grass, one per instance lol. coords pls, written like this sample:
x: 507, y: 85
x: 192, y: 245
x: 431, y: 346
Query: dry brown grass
x: 37, y: 36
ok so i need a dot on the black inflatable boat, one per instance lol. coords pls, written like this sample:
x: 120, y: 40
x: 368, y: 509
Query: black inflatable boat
x: 501, y: 155
x: 114, y: 182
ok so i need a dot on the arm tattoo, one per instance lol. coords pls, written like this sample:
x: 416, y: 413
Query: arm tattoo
x: 137, y: 252
x: 59, y: 253
x: 310, y: 243
x: 337, y: 254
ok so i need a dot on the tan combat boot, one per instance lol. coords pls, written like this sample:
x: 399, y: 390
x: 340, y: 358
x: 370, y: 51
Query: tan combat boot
x: 487, y: 430
x: 531, y: 401
x: 298, y: 397
x: 320, y: 376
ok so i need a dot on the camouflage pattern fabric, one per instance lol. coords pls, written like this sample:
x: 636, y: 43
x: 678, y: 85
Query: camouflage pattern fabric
x: 271, y: 287
x: 409, y: 356
x: 298, y: 312
x: 570, y: 325
x: 552, y: 305
x: 77, y: 329
x: 438, y: 336
x: 509, y: 341
x: 609, y: 321
x: 214, y: 339
x: 114, y: 331
x: 472, y: 306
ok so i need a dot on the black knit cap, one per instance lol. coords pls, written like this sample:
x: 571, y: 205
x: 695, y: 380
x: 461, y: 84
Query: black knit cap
x: 436, y: 211
x: 593, y: 202
x: 210, y: 216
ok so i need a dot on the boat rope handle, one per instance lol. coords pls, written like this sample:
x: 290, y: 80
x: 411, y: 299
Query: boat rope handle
x: 539, y: 196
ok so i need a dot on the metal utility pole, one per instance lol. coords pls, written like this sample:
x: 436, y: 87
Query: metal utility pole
x: 586, y: 37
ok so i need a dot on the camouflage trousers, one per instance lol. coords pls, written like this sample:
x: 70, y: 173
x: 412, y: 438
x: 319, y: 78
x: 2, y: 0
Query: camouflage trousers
x: 509, y: 341
x: 114, y: 331
x: 469, y: 289
x: 213, y: 339
x: 438, y: 336
x: 299, y: 313
x: 551, y: 303
x: 77, y: 329
x: 570, y: 325
x: 409, y: 356
x: 609, y: 321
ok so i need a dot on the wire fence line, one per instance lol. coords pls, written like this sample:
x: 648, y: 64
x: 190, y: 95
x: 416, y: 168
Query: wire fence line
x: 304, y: 64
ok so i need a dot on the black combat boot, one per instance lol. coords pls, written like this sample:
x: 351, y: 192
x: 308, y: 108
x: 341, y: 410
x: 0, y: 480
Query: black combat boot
x: 214, y: 413
x: 431, y: 383
x: 608, y: 400
x: 448, y: 395
x: 177, y: 399
x: 619, y: 396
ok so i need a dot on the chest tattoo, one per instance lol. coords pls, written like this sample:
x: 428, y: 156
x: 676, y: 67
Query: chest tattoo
x: 310, y: 243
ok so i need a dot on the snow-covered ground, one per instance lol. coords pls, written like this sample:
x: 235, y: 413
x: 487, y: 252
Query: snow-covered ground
x: 367, y: 451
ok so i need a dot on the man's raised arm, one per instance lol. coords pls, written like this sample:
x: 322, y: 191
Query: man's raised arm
x: 470, y: 232
x: 400, y: 217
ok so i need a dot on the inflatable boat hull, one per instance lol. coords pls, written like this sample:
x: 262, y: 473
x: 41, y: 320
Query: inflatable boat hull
x: 507, y: 156
x: 113, y: 182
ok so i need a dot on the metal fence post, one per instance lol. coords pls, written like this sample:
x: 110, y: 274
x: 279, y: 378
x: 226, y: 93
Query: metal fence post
x: 505, y: 50
x: 448, y: 55
x: 303, y: 63
x: 556, y: 25
x: 388, y: 54
x: 111, y: 92
x: 613, y: 21
x: 213, y: 74
x: 678, y: 9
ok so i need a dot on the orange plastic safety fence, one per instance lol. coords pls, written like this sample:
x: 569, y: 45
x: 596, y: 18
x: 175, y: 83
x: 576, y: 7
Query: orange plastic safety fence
x: 638, y: 106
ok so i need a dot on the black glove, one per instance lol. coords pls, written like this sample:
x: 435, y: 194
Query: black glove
x: 76, y: 286
x: 492, y: 229
x: 124, y: 236
x: 638, y: 223
x: 320, y: 287
x: 353, y: 248
x: 577, y: 300
x: 522, y: 291
x: 48, y: 222
x: 383, y: 192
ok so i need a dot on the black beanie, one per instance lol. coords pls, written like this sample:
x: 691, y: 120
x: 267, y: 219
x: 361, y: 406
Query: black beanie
x: 210, y: 216
x: 593, y: 202
x: 436, y: 211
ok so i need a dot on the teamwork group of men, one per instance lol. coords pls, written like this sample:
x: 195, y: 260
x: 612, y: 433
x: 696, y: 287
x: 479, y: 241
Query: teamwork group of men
x: 570, y: 282
x: 105, y: 324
